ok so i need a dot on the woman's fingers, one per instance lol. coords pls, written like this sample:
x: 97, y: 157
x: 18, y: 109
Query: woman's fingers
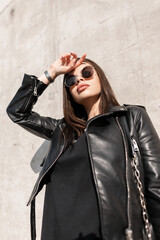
x: 65, y: 58
x: 74, y: 58
x: 68, y: 61
x: 74, y: 55
x: 62, y: 59
x: 68, y: 58
x: 80, y: 60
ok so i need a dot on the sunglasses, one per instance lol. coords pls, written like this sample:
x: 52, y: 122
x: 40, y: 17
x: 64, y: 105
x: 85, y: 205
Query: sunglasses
x: 86, y: 72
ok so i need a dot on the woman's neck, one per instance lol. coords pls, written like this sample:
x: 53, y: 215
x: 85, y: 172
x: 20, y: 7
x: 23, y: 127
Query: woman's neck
x: 92, y: 108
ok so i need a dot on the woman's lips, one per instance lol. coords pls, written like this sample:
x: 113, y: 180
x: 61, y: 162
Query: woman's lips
x: 82, y: 87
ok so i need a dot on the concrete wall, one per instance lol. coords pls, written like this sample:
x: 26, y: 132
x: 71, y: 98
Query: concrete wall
x: 122, y: 36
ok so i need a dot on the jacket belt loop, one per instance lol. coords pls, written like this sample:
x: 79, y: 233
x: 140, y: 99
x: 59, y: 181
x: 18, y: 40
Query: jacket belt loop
x: 33, y: 220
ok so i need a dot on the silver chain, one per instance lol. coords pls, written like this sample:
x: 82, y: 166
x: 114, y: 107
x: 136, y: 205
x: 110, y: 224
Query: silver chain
x: 134, y: 164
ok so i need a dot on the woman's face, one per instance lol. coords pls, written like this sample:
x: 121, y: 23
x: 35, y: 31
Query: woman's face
x: 85, y: 89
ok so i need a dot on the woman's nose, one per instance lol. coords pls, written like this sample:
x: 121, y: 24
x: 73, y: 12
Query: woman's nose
x: 79, y: 79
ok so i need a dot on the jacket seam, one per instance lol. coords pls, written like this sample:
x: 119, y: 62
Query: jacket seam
x: 136, y: 115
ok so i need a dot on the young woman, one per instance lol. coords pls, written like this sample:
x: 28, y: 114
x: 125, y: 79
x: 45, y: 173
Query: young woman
x: 91, y: 179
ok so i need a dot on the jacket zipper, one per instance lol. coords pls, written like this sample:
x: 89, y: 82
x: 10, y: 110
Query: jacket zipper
x: 128, y: 231
x: 46, y: 172
x: 33, y: 93
x: 35, y: 87
x: 135, y: 145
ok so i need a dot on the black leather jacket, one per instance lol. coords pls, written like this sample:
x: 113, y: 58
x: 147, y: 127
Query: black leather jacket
x: 109, y: 156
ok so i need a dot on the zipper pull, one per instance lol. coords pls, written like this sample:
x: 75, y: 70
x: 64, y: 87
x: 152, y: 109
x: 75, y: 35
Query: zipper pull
x: 135, y: 145
x: 35, y: 91
x: 129, y: 234
x: 35, y: 88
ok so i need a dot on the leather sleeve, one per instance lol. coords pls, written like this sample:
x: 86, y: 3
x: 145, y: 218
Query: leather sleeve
x: 149, y: 144
x: 20, y: 108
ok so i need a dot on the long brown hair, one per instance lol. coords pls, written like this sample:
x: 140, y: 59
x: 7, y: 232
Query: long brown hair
x: 75, y: 114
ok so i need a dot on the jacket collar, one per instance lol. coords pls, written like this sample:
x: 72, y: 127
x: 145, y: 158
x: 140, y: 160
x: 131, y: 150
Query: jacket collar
x: 113, y: 109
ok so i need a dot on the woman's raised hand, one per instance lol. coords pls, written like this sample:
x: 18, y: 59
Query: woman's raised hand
x: 64, y: 64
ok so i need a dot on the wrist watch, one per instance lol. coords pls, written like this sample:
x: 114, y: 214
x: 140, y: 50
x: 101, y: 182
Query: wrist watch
x: 48, y: 77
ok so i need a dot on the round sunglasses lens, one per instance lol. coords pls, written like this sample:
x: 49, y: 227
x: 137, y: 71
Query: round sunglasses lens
x: 87, y: 72
x: 70, y: 81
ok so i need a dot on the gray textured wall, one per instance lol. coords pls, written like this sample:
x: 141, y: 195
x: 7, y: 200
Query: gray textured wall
x: 122, y: 36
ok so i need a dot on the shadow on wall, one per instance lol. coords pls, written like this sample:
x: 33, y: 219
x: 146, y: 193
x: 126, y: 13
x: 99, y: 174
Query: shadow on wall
x: 38, y: 158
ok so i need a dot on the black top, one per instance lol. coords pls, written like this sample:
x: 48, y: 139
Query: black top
x: 71, y: 207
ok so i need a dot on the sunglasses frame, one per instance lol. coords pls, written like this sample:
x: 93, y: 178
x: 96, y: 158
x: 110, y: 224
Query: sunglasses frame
x: 75, y: 77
